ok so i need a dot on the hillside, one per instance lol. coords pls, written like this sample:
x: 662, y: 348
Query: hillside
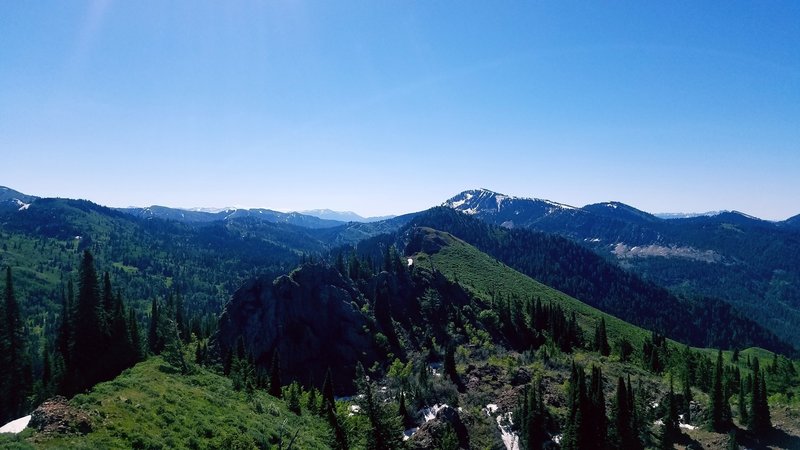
x: 145, y: 257
x: 487, y: 278
x: 579, y: 272
x: 750, y: 263
x: 153, y: 406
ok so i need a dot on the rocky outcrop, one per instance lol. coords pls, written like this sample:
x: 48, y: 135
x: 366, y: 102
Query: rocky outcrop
x: 59, y: 417
x: 311, y: 318
x: 432, y: 432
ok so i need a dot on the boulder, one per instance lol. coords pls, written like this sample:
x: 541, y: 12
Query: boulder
x: 57, y: 416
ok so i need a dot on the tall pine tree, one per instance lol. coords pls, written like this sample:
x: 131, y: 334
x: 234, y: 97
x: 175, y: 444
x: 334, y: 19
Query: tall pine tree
x: 717, y: 415
x: 275, y: 376
x: 597, y: 410
x: 743, y: 417
x: 14, y: 383
x: 600, y: 339
x: 624, y: 435
x: 759, y: 410
x: 154, y: 341
x: 532, y: 416
x: 89, y: 327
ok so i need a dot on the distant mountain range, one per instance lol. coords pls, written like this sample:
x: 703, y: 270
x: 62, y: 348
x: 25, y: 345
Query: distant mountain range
x: 196, y: 216
x: 751, y: 263
x: 343, y: 216
x: 315, y: 218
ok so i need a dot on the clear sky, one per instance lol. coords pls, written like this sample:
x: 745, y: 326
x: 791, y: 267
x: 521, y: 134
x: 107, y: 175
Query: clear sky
x: 387, y: 107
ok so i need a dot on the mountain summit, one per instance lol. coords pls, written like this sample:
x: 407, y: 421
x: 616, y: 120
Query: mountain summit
x: 507, y: 210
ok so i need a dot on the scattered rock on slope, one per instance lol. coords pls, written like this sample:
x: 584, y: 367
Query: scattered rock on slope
x: 59, y: 417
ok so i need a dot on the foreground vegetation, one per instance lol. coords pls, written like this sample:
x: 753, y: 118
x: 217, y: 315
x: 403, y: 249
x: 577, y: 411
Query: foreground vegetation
x: 154, y: 406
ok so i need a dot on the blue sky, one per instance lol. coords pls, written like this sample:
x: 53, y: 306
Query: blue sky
x: 388, y: 107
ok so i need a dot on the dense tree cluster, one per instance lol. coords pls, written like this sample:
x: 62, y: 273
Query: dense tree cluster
x: 586, y: 425
x: 97, y: 336
x: 532, y: 417
x: 759, y: 416
x: 15, y: 369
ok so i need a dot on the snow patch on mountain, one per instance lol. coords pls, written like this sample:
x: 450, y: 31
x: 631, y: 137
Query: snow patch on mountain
x: 682, y: 215
x: 22, y: 205
x: 552, y: 203
x: 499, y: 199
x: 16, y: 426
x: 478, y: 200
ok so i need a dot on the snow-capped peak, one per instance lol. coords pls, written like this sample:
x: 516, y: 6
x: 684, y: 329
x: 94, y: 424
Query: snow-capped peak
x: 478, y: 200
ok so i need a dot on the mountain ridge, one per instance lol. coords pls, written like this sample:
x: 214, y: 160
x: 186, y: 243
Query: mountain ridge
x: 758, y: 260
x: 344, y: 216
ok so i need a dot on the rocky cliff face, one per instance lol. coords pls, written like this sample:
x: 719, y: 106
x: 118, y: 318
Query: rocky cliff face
x: 311, y: 317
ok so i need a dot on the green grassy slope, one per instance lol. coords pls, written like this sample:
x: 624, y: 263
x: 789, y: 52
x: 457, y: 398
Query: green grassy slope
x: 150, y: 406
x: 485, y: 276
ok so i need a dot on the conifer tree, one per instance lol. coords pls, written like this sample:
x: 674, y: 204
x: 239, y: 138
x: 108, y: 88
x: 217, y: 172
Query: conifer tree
x: 597, y: 410
x: 577, y: 433
x: 13, y: 379
x: 449, y: 366
x: 670, y: 429
x: 385, y: 431
x: 107, y: 302
x: 340, y: 265
x: 687, y: 396
x: 531, y: 416
x: 718, y: 421
x: 743, y: 418
x: 293, y: 398
x: 62, y: 364
x: 402, y: 411
x: 120, y: 349
x: 624, y: 433
x: 632, y: 405
x: 89, y: 332
x: 47, y: 370
x: 755, y: 398
x: 153, y: 339
x: 328, y: 399
x: 64, y: 337
x: 173, y: 348
x: 180, y: 320
x: 600, y: 339
x: 136, y: 339
x: 760, y: 421
x: 765, y: 420
x: 275, y: 376
x: 671, y: 426
x: 311, y: 401
x: 328, y: 410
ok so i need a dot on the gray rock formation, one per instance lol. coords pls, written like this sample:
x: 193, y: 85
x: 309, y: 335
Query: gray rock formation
x: 311, y: 317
